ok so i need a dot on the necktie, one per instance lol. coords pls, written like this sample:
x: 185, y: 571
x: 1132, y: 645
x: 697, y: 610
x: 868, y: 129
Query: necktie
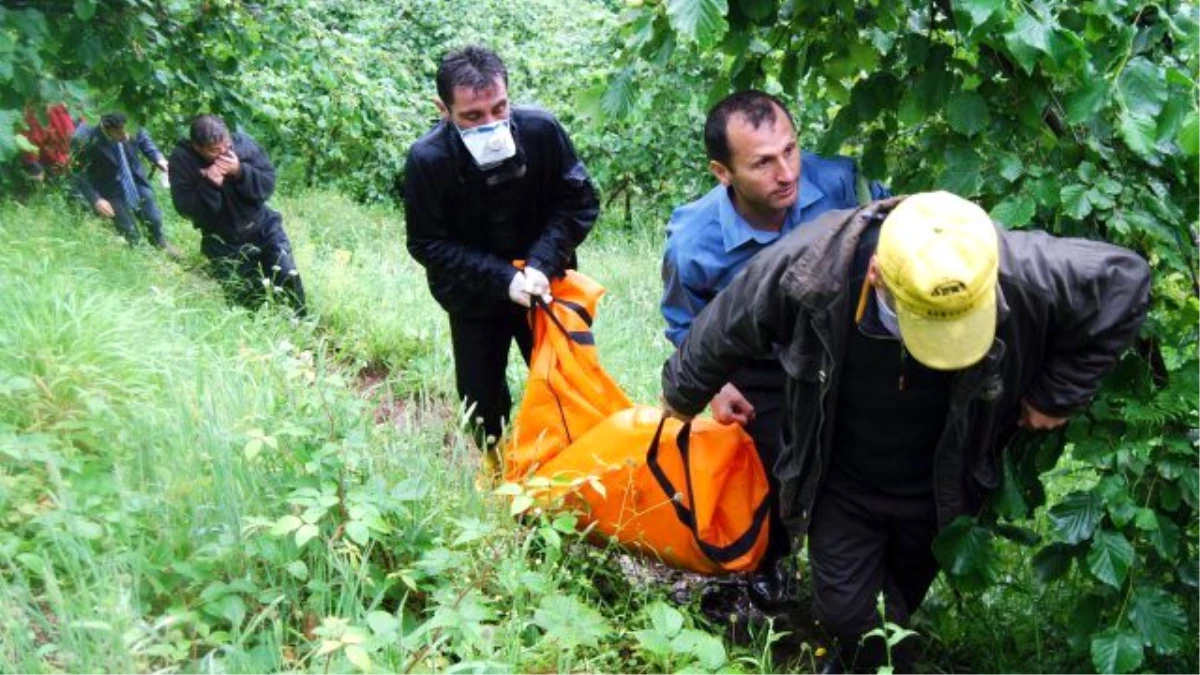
x: 126, y: 178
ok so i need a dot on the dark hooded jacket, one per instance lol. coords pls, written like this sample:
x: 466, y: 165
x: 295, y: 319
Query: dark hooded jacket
x: 234, y: 212
x: 1066, y: 310
x: 466, y: 226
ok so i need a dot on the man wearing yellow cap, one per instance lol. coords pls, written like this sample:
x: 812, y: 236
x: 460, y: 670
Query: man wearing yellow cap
x: 918, y: 338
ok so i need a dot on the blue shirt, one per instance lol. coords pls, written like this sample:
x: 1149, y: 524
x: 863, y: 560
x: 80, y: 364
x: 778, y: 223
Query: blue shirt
x: 708, y: 242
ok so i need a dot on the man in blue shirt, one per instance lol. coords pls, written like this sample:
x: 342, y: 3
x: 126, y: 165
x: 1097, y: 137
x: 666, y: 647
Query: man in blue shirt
x: 768, y: 188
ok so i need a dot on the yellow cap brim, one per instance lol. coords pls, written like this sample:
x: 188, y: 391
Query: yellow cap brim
x: 950, y: 344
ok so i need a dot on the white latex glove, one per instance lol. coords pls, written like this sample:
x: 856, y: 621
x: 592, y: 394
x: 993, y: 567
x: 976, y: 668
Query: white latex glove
x: 518, y: 290
x: 539, y: 285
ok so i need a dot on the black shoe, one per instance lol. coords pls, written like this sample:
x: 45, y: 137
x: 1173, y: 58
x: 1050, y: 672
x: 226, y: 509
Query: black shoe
x: 772, y: 586
x: 832, y: 664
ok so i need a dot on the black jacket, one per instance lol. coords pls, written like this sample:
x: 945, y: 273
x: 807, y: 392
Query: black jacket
x: 466, y: 226
x: 1066, y: 310
x: 234, y: 211
x: 100, y: 167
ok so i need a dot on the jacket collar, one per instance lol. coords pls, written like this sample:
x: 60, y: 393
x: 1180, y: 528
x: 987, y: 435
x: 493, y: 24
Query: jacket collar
x: 735, y: 231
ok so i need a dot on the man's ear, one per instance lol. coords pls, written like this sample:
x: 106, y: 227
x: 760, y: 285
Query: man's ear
x: 873, y: 276
x: 722, y: 172
x: 442, y: 109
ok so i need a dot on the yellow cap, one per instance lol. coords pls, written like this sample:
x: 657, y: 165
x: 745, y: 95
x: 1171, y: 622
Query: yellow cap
x: 938, y: 256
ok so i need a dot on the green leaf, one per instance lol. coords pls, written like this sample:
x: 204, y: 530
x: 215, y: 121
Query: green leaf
x: 298, y: 569
x: 1014, y: 212
x: 357, y: 531
x: 1110, y: 557
x: 85, y: 9
x: 968, y: 113
x: 1159, y: 619
x: 665, y: 619
x: 358, y: 656
x: 757, y: 11
x: 653, y: 642
x: 306, y: 533
x: 1138, y: 132
x: 1075, y: 202
x: 1143, y: 87
x: 520, y: 504
x: 1116, y: 651
x: 1011, y: 166
x: 285, y: 525
x: 699, y: 20
x: 1052, y: 562
x: 1028, y: 38
x: 967, y: 554
x: 1189, y: 484
x: 1165, y: 538
x: 962, y: 173
x: 382, y: 623
x: 1189, y: 135
x: 1084, y: 620
x: 707, y: 649
x: 977, y: 11
x: 569, y: 622
x: 1082, y: 103
x: 1076, y: 516
x: 621, y: 96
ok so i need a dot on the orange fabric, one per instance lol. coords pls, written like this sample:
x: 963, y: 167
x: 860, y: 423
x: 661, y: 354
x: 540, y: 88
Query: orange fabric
x: 568, y: 392
x: 579, y: 440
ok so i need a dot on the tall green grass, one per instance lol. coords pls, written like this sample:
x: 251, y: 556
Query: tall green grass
x: 188, y: 485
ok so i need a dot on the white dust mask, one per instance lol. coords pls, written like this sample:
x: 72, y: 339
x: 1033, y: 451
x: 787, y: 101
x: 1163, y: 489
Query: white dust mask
x: 489, y: 144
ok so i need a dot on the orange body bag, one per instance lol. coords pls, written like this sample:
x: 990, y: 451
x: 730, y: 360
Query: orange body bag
x: 692, y: 495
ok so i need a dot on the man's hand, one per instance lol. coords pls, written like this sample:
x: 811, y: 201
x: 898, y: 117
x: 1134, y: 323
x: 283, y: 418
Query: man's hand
x: 518, y: 290
x: 539, y: 285
x: 103, y: 207
x: 162, y: 165
x: 730, y: 406
x: 1036, y: 420
x: 214, y: 174
x: 230, y: 164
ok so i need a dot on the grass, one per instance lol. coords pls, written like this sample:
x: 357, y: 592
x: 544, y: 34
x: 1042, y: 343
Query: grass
x: 186, y: 485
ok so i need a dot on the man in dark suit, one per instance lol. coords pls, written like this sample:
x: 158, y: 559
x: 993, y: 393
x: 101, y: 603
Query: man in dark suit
x: 112, y: 180
x: 221, y: 181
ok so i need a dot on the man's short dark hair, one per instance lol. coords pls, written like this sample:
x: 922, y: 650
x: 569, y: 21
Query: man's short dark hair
x: 208, y: 129
x: 113, y: 120
x: 756, y: 106
x: 473, y: 66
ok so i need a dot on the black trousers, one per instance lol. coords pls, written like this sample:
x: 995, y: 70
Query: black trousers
x: 126, y: 217
x: 762, y: 384
x: 862, y: 542
x: 242, y: 268
x: 480, y: 359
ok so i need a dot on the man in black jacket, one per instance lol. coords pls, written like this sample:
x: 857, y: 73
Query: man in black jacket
x: 489, y: 185
x: 918, y: 339
x: 221, y: 182
x: 112, y: 180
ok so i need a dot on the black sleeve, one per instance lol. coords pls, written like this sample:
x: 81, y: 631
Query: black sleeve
x: 1098, y: 296
x: 429, y: 241
x: 574, y: 209
x: 146, y: 146
x: 194, y: 197
x: 257, y: 178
